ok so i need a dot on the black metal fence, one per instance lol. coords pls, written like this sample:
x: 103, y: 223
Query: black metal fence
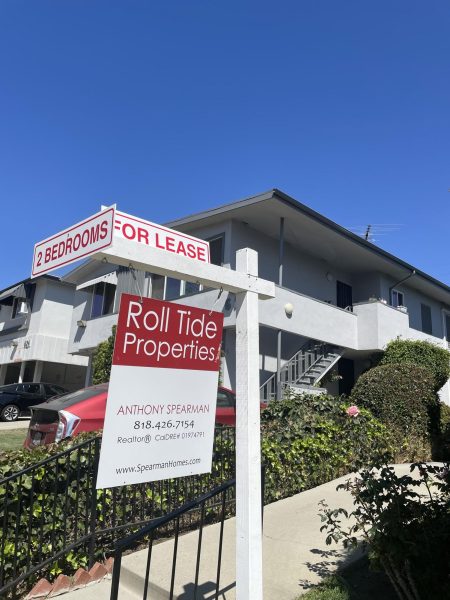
x: 214, y: 504
x: 54, y: 519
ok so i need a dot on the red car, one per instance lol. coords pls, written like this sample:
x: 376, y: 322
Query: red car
x: 84, y: 410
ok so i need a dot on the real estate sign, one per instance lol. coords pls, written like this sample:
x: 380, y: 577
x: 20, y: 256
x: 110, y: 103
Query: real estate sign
x: 158, y: 236
x: 161, y: 404
x: 76, y: 242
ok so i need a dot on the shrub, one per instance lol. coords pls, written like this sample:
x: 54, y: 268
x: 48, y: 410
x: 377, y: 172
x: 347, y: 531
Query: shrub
x: 308, y: 440
x: 424, y: 354
x: 102, y: 359
x: 402, y: 397
x: 405, y: 522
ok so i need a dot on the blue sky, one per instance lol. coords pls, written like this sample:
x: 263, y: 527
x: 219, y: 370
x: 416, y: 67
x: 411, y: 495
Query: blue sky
x: 170, y: 107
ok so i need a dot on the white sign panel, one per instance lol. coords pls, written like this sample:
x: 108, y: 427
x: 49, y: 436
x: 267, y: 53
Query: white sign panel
x: 160, y: 412
x: 76, y: 242
x: 157, y: 236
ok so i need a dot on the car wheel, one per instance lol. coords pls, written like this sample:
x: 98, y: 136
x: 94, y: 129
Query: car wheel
x: 10, y: 412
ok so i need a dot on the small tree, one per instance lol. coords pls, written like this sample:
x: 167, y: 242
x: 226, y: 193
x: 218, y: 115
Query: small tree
x: 433, y: 358
x: 102, y: 360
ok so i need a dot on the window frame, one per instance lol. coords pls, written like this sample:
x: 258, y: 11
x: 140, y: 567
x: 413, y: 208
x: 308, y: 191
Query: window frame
x: 103, y: 295
x: 422, y: 307
x: 398, y: 293
x: 18, y: 301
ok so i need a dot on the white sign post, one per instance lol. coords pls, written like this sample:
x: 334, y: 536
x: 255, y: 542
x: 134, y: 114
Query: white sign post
x: 160, y: 413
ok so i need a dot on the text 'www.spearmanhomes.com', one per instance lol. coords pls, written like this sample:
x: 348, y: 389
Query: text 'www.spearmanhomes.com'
x: 164, y: 465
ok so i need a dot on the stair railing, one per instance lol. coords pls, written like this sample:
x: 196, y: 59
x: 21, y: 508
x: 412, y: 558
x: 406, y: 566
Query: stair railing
x: 293, y: 370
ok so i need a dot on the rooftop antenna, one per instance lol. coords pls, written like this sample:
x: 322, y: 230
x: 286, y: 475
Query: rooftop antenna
x: 371, y: 232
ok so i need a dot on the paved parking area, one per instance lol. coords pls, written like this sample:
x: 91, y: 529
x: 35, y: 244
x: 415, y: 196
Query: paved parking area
x: 21, y: 423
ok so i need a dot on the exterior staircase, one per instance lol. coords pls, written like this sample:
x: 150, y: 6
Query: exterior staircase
x: 304, y: 370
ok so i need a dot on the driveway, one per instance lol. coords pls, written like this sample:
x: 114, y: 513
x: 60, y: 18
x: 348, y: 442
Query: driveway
x: 21, y: 423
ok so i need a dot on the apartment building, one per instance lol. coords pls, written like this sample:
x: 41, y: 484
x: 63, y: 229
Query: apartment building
x: 35, y: 318
x: 339, y: 298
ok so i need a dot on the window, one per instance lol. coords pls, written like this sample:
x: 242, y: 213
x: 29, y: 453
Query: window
x: 427, y: 325
x: 398, y: 299
x: 173, y: 287
x: 158, y: 287
x: 31, y: 388
x: 53, y: 390
x: 216, y: 250
x: 103, y: 299
x: 19, y: 307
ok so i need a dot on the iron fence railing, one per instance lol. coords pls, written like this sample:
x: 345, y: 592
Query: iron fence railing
x: 53, y: 517
x: 213, y: 501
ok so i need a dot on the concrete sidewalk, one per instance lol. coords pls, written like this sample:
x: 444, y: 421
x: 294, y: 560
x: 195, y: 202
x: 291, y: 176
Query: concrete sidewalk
x: 21, y: 423
x: 295, y: 555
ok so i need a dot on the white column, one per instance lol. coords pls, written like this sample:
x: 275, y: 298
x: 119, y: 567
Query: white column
x: 3, y: 369
x: 37, y: 375
x: 88, y: 378
x: 248, y: 445
x: 22, y: 371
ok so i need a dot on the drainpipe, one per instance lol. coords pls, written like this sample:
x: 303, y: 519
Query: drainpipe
x: 280, y: 283
x: 413, y: 272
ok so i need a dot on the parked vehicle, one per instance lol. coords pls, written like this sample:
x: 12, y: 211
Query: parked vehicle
x: 84, y: 410
x: 17, y: 398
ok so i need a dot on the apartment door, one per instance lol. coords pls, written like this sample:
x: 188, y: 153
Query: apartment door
x: 344, y: 295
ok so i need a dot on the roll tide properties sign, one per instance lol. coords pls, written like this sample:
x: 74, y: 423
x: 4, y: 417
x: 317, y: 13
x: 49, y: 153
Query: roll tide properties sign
x: 160, y: 412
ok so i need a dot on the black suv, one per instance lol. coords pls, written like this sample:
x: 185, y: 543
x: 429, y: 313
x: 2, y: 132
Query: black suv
x: 16, y: 398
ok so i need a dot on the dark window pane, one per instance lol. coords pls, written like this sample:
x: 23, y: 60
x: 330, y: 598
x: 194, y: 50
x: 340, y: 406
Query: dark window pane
x: 97, y: 300
x: 110, y: 293
x: 172, y: 288
x: 216, y: 248
x: 191, y: 288
x: 344, y: 296
x: 427, y: 326
x: 158, y: 287
x: 54, y: 390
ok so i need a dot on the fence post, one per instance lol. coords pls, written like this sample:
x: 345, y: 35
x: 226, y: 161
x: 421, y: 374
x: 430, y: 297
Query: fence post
x: 93, y: 510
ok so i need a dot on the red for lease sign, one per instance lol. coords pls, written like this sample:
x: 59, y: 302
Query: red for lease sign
x: 160, y: 412
x: 158, y: 236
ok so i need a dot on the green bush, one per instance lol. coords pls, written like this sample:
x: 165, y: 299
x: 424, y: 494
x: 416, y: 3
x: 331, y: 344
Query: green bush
x: 308, y: 440
x: 405, y: 522
x: 402, y: 397
x: 102, y: 359
x: 424, y: 354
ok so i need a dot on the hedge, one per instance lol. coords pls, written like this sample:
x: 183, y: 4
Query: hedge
x: 434, y: 359
x: 402, y: 397
x: 308, y: 440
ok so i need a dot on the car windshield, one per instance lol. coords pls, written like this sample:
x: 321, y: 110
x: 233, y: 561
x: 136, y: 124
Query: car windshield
x: 75, y: 397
